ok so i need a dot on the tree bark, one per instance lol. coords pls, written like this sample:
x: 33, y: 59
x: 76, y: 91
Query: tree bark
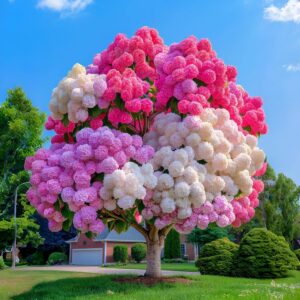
x: 153, y: 257
x: 155, y: 242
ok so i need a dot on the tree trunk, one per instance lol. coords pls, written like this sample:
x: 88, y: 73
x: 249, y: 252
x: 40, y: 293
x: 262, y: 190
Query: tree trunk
x: 153, y: 258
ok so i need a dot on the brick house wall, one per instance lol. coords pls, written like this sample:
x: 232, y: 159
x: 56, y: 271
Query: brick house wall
x: 190, y: 249
x: 110, y: 249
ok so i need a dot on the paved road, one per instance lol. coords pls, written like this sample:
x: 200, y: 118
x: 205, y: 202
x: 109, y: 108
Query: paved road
x: 100, y: 270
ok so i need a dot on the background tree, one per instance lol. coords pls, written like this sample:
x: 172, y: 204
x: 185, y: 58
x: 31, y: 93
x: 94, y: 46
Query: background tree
x: 21, y: 127
x: 172, y: 245
x: 211, y: 233
x: 286, y: 196
x: 265, y: 213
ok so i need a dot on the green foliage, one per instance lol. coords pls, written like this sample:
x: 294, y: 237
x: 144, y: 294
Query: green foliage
x: 297, y: 252
x: 263, y: 254
x: 120, y: 254
x: 217, y: 257
x: 172, y: 245
x: 57, y: 258
x: 138, y: 252
x: 37, y: 258
x: 211, y: 233
x: 286, y: 196
x: 2, y: 264
x: 21, y: 127
x: 173, y: 260
x: 279, y: 206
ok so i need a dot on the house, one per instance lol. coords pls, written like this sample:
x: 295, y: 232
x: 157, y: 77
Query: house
x: 99, y: 251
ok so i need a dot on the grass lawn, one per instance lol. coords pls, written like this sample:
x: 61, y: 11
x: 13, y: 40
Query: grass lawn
x: 46, y: 285
x: 188, y: 267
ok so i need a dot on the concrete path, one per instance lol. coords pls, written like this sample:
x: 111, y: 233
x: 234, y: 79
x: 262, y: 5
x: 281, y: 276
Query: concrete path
x: 100, y: 270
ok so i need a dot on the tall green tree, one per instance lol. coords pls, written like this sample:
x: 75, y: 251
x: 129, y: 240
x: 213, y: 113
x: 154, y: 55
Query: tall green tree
x: 21, y: 127
x: 172, y: 245
x: 286, y: 196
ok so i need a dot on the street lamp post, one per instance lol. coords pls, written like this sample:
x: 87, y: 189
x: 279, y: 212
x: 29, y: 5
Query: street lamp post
x: 14, y: 251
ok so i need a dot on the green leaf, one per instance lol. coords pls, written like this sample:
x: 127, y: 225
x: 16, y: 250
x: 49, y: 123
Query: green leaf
x: 136, y: 116
x: 202, y: 161
x: 140, y: 206
x: 173, y: 104
x: 66, y: 137
x: 89, y: 235
x: 57, y: 205
x: 67, y: 224
x: 96, y: 111
x: 97, y: 177
x: 67, y: 213
x: 111, y: 225
x: 120, y: 226
x: 65, y: 120
x: 247, y: 128
x: 119, y: 102
x: 199, y: 82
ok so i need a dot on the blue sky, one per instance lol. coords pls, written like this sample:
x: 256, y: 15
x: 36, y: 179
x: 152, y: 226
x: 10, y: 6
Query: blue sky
x: 42, y: 39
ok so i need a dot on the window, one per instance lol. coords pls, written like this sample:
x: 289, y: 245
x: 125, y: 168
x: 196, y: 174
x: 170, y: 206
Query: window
x: 183, y: 250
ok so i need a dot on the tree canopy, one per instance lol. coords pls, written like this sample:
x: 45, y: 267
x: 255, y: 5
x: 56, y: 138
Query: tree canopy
x: 21, y: 127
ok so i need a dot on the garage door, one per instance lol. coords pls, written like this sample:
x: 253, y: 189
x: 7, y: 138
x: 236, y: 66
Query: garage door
x: 87, y: 257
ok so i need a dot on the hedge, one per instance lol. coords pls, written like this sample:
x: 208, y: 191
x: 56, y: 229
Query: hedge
x: 138, y: 252
x: 2, y: 264
x: 57, y: 258
x: 120, y: 254
x: 36, y: 258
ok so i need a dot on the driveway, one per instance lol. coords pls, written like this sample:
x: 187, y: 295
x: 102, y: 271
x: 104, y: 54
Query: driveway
x: 100, y: 270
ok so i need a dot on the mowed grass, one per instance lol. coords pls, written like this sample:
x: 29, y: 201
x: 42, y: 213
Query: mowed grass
x: 186, y: 267
x: 46, y: 285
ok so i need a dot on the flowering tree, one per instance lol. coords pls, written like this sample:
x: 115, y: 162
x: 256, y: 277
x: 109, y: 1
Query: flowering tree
x: 152, y: 137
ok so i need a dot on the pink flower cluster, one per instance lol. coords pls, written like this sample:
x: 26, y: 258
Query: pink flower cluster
x: 244, y: 207
x: 131, y: 90
x: 60, y: 130
x: 137, y: 52
x: 69, y: 172
x: 219, y: 211
x: 191, y: 73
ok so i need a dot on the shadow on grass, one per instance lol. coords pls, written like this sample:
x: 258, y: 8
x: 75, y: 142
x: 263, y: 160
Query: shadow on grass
x: 70, y: 288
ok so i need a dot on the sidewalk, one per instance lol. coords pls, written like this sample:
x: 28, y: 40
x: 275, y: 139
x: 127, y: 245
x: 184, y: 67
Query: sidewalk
x: 101, y: 270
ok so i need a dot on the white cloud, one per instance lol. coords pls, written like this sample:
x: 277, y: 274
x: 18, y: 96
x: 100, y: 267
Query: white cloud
x: 292, y: 68
x: 67, y: 6
x: 290, y: 12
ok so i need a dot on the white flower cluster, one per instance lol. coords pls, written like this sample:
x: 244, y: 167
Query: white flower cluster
x: 179, y: 181
x: 76, y: 93
x: 229, y: 157
x: 124, y: 186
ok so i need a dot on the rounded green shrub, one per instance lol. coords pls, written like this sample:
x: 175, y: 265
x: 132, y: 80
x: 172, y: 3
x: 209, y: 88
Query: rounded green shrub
x: 2, y: 264
x: 120, y: 254
x: 57, y: 258
x: 36, y: 258
x: 217, y: 257
x: 138, y: 252
x: 263, y: 254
